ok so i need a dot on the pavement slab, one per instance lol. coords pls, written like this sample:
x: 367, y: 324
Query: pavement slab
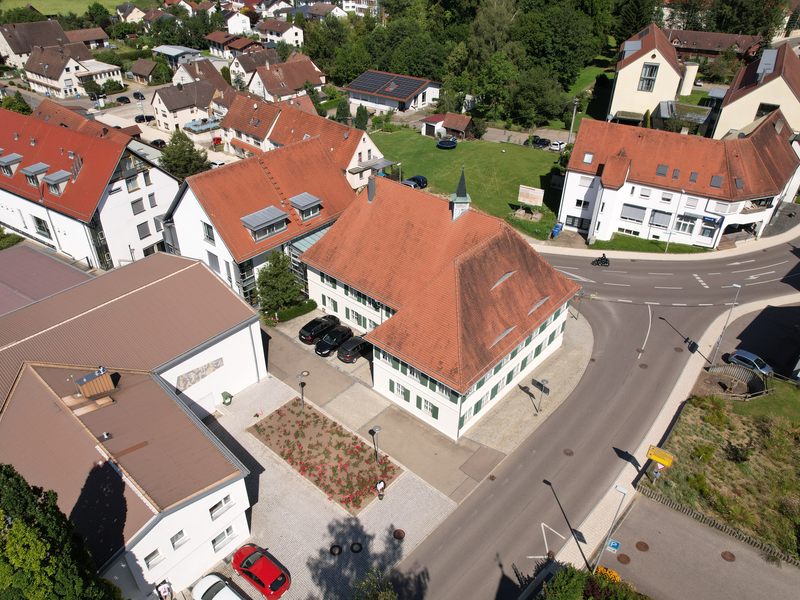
x: 356, y: 406
x: 480, y: 464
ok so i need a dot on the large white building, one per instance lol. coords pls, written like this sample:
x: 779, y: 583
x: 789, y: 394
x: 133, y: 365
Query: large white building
x: 459, y: 308
x: 155, y: 495
x: 64, y: 71
x: 89, y: 197
x: 667, y: 186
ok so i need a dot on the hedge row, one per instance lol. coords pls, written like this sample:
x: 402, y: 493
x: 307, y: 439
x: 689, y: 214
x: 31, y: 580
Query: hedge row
x: 296, y: 311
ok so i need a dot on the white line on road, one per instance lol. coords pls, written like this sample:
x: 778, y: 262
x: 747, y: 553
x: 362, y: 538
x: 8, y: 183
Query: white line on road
x: 673, y: 304
x: 715, y: 273
x: 628, y: 301
x: 620, y: 271
x: 668, y: 288
x: 656, y: 303
x: 619, y: 284
x: 757, y: 275
x: 759, y: 268
x: 659, y: 273
x: 736, y: 264
x: 766, y: 281
x: 578, y: 277
x: 728, y: 303
x: 555, y: 267
x: 705, y: 305
x: 649, y: 324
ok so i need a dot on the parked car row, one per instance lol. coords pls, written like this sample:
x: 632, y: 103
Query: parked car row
x: 252, y: 564
x: 330, y: 336
x: 418, y: 182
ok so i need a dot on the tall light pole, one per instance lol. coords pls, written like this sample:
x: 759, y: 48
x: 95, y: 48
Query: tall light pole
x: 401, y: 170
x: 374, y: 433
x: 719, y: 342
x: 302, y: 388
x: 624, y: 493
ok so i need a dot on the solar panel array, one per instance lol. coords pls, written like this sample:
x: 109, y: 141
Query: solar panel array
x: 387, y: 84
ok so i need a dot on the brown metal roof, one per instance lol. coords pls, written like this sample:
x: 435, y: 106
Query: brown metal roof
x: 28, y: 275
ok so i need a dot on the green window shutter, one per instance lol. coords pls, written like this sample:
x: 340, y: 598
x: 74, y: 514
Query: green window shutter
x: 324, y: 300
x: 481, y: 382
x: 391, y: 386
x: 419, y: 402
x: 524, y: 363
x: 435, y: 412
x: 322, y: 277
x: 563, y: 326
x: 432, y: 384
x: 514, y: 354
x: 404, y: 368
x: 568, y: 301
x: 333, y: 283
x: 395, y: 363
x: 509, y: 377
x: 495, y: 389
x: 346, y: 290
x: 377, y: 352
x: 555, y: 316
x: 407, y: 395
x: 538, y: 351
x: 335, y: 305
x: 552, y: 337
x: 346, y: 313
x: 423, y: 379
x: 497, y: 369
x: 453, y: 397
x: 529, y: 340
x: 478, y: 406
x: 461, y: 422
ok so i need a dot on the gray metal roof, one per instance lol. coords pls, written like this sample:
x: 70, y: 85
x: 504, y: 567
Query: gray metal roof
x: 305, y: 243
x: 264, y: 217
x: 35, y: 169
x: 57, y: 177
x: 304, y: 200
x: 175, y: 50
x: 10, y: 159
x: 717, y: 92
x: 631, y: 47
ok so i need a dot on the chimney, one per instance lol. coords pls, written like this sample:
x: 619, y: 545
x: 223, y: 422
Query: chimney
x: 370, y: 189
x: 460, y: 200
x: 96, y: 383
x: 179, y: 86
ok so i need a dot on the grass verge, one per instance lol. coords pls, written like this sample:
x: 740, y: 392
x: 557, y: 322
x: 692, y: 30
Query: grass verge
x: 741, y: 469
x: 620, y: 241
x: 53, y: 7
x: 694, y: 98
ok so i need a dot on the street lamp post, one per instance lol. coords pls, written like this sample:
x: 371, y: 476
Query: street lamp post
x: 719, y: 342
x: 624, y: 493
x: 374, y: 433
x: 302, y: 390
x: 401, y: 171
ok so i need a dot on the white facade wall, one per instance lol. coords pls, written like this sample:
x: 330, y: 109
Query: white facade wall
x: 342, y: 301
x: 368, y: 150
x: 270, y: 11
x: 743, y: 111
x: 361, y: 7
x: 292, y: 36
x: 428, y: 96
x: 170, y: 121
x: 626, y: 95
x: 185, y: 564
x: 120, y: 224
x: 239, y: 24
x: 242, y: 354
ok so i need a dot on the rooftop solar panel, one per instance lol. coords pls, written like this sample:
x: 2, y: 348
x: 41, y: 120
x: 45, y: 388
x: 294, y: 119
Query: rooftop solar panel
x: 386, y: 84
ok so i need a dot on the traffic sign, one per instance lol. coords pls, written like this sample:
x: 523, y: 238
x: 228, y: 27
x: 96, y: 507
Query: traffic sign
x: 660, y: 456
x: 659, y: 466
x: 613, y: 546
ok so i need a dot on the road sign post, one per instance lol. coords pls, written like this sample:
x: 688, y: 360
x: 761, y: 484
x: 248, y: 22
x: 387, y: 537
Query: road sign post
x: 660, y: 456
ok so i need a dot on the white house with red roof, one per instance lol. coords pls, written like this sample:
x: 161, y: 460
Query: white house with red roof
x: 282, y: 81
x: 682, y: 188
x: 382, y: 92
x: 458, y: 307
x: 274, y: 30
x: 63, y: 71
x: 648, y: 72
x: 89, y: 197
x: 234, y: 217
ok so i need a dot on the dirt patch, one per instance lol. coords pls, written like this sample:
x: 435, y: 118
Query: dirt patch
x: 338, y: 462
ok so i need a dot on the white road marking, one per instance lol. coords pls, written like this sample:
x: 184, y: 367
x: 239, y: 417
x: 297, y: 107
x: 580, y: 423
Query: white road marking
x: 728, y: 303
x: 649, y: 324
x: 705, y: 305
x: 715, y: 273
x: 620, y: 271
x: 673, y: 304
x: 757, y: 275
x: 668, y: 288
x: 619, y: 284
x: 759, y: 268
x: 555, y: 267
x: 766, y: 281
x: 628, y: 301
x: 578, y: 277
x: 656, y: 303
x: 699, y: 280
x: 736, y: 264
x: 659, y: 273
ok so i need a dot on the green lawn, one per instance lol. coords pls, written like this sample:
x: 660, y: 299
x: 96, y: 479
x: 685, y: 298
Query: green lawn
x: 694, y: 98
x: 620, y: 241
x: 493, y: 171
x: 784, y: 402
x: 52, y: 7
x: 601, y: 64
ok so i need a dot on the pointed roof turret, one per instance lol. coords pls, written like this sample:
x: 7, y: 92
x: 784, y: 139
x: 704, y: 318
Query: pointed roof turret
x: 460, y: 200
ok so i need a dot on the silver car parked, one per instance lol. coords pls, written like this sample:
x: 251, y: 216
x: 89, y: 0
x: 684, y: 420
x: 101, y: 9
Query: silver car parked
x: 751, y: 361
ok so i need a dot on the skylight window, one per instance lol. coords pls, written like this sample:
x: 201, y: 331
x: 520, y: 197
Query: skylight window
x: 738, y: 181
x: 693, y: 177
x: 538, y: 304
x: 675, y: 173
x: 503, y: 278
x: 662, y: 170
x: 588, y: 158
x: 502, y: 335
x: 716, y: 181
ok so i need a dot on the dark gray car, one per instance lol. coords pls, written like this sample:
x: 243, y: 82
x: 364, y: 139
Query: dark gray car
x: 332, y: 340
x: 353, y: 348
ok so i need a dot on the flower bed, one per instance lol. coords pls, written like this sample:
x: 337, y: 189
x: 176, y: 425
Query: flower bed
x: 336, y: 461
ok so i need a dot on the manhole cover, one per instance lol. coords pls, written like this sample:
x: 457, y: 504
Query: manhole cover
x: 336, y: 550
x: 492, y: 477
x: 624, y: 559
x: 642, y: 366
x: 708, y: 381
x: 642, y: 547
x: 568, y: 452
x: 678, y: 349
x: 729, y: 556
x: 591, y: 360
x: 399, y: 534
x: 355, y: 547
x: 304, y: 373
x: 640, y: 350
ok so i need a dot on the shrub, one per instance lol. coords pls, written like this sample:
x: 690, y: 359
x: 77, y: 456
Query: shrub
x: 296, y: 311
x: 704, y: 452
x: 567, y: 585
x: 716, y: 417
x: 698, y: 482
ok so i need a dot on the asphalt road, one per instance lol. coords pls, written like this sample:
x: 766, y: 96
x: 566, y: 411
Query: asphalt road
x: 641, y: 315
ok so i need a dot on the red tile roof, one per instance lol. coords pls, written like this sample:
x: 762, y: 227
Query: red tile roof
x: 86, y: 35
x: 403, y: 250
x: 56, y: 114
x: 763, y: 161
x: 285, y: 78
x: 143, y: 67
x: 710, y: 41
x: 652, y: 38
x: 243, y: 44
x: 456, y: 121
x: 434, y: 119
x: 615, y: 171
x: 53, y: 145
x: 253, y: 117
x: 204, y: 70
x: 787, y: 65
x: 222, y: 37
x: 301, y: 103
x: 280, y: 27
x: 50, y: 62
x: 229, y: 193
x: 248, y: 147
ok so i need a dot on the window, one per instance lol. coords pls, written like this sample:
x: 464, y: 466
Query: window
x: 685, y: 224
x: 223, y: 538
x: 588, y: 158
x: 665, y: 197
x: 582, y: 204
x: 632, y: 213
x: 54, y: 188
x: 399, y: 390
x: 586, y: 182
x: 269, y: 230
x: 208, y: 232
x: 41, y: 227
x: 360, y: 157
x: 628, y: 231
x: 369, y: 150
x: 152, y: 199
x: 143, y: 229
x: 152, y: 559
x: 647, y: 82
x: 137, y: 206
x: 32, y: 180
x: 428, y: 407
x: 213, y: 261
x: 308, y: 213
x: 660, y: 219
x: 178, y: 540
x: 707, y: 231
x: 578, y: 222
x: 765, y: 109
x: 132, y: 183
x: 325, y: 278
x: 146, y: 175
x: 644, y: 193
x: 6, y: 170
x: 220, y: 507
x: 716, y: 181
x: 693, y: 177
x: 602, y: 207
x: 691, y: 203
x: 661, y: 171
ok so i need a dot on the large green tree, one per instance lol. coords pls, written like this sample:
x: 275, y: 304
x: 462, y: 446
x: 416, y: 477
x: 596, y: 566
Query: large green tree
x: 632, y: 17
x: 494, y: 85
x: 181, y: 158
x: 373, y: 587
x: 362, y: 118
x: 21, y: 15
x: 277, y: 286
x: 42, y: 557
x: 17, y: 104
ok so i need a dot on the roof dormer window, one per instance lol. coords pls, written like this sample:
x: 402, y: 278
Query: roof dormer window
x: 306, y: 205
x: 33, y: 172
x: 57, y: 182
x: 265, y: 222
x: 9, y: 164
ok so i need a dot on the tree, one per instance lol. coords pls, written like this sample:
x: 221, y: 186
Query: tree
x: 478, y: 128
x: 119, y: 30
x: 311, y: 92
x: 252, y: 15
x: 226, y: 74
x: 41, y: 554
x: 647, y: 122
x: 537, y: 98
x: 92, y: 87
x: 161, y: 72
x: 634, y: 15
x: 691, y: 15
x: 17, y: 104
x: 749, y: 17
x: 21, y: 15
x: 284, y: 50
x: 494, y: 84
x: 300, y: 20
x: 111, y: 86
x: 277, y: 287
x: 98, y: 15
x: 373, y: 587
x: 362, y: 118
x: 238, y: 82
x: 181, y: 158
x: 343, y: 111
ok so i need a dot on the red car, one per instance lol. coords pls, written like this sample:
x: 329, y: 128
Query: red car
x: 252, y: 564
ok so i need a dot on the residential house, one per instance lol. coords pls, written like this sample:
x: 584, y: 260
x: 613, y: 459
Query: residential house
x: 94, y: 38
x: 286, y: 80
x: 153, y: 15
x: 771, y: 82
x: 320, y: 10
x: 222, y: 100
x: 93, y: 198
x: 244, y: 46
x: 189, y: 6
x: 459, y: 313
x: 237, y: 23
x: 283, y: 14
x: 144, y: 519
x: 200, y: 70
x: 176, y: 55
x: 271, y: 8
x: 667, y: 186
x: 273, y: 30
x: 648, y: 72
x: 142, y: 70
x: 234, y: 217
x: 432, y: 126
x: 63, y: 71
x: 302, y: 103
x: 64, y: 116
x: 207, y: 6
x: 244, y: 65
x: 709, y: 44
x: 176, y: 105
x: 129, y: 13
x: 246, y: 126
x: 458, y: 126
x: 362, y: 7
x: 17, y: 40
x: 383, y: 92
x: 218, y: 43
